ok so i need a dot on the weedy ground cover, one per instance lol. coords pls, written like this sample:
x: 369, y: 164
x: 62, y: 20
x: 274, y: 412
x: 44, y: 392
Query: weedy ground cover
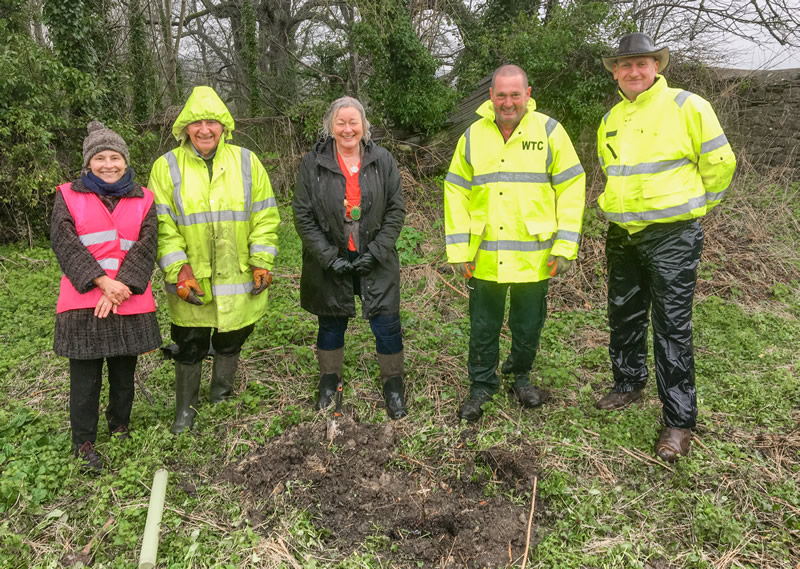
x: 602, y: 500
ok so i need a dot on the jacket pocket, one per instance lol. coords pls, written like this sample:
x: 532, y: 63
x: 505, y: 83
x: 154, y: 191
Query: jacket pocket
x: 541, y: 229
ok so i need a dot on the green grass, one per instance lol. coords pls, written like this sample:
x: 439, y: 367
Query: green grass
x: 603, y: 501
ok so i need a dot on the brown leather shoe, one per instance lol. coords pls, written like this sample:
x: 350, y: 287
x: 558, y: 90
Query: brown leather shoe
x: 673, y: 444
x: 614, y: 400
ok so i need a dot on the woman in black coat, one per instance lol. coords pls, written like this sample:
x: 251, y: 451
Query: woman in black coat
x: 349, y: 211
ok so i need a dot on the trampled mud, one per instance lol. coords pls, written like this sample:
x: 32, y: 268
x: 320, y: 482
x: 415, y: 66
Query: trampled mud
x: 368, y: 496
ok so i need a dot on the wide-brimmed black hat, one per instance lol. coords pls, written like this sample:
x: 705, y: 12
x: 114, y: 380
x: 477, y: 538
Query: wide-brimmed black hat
x: 638, y: 44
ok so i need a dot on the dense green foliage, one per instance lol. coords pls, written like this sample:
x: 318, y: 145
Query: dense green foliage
x: 603, y: 501
x: 403, y: 87
x: 560, y: 55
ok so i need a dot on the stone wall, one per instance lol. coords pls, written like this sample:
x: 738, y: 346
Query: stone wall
x: 760, y: 112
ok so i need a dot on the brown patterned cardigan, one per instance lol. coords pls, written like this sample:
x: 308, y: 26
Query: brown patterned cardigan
x: 79, y: 334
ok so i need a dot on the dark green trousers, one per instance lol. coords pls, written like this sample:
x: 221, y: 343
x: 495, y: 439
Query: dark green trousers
x: 487, y: 303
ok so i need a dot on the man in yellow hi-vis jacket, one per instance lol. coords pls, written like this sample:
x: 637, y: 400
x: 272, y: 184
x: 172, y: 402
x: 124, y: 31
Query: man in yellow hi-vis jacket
x: 667, y: 163
x: 513, y: 200
x: 217, y: 242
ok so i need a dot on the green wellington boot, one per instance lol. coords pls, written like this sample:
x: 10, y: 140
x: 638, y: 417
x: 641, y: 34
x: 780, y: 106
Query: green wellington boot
x: 392, y: 378
x: 222, y: 375
x: 330, y: 375
x: 187, y: 387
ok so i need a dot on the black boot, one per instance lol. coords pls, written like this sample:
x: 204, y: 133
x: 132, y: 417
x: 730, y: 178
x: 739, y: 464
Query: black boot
x: 330, y: 375
x: 222, y: 375
x: 392, y: 379
x: 187, y: 387
x: 326, y: 392
x: 91, y: 463
x: 470, y: 409
x: 528, y: 395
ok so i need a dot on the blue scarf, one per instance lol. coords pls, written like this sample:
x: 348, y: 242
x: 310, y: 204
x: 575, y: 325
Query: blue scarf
x: 118, y: 188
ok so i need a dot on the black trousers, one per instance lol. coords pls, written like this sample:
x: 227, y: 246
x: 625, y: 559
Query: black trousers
x: 487, y: 303
x: 194, y: 342
x: 85, y: 381
x: 652, y: 276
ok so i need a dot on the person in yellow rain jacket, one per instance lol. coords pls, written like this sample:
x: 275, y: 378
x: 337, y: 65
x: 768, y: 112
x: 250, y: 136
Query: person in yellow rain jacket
x: 513, y: 199
x: 217, y: 242
x: 667, y: 163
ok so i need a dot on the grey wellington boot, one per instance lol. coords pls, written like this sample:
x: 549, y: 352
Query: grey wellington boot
x: 392, y: 378
x: 330, y: 375
x: 187, y: 387
x: 222, y: 375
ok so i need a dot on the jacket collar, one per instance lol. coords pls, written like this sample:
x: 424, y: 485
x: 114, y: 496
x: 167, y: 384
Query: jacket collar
x: 486, y: 110
x: 658, y: 86
x: 325, y: 151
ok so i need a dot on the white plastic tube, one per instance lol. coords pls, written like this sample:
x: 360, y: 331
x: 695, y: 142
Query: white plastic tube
x: 152, y: 528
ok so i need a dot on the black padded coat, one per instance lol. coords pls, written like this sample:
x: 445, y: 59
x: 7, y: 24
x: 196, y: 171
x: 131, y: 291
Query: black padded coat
x: 319, y: 211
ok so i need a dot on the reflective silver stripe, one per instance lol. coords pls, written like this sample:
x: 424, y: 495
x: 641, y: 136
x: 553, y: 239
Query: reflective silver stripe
x: 681, y: 97
x: 170, y: 258
x: 247, y: 178
x: 264, y: 249
x: 550, y: 126
x: 264, y: 204
x: 611, y: 133
x: 175, y: 174
x: 458, y: 181
x: 456, y: 238
x: 232, y: 289
x: 605, y: 117
x: 564, y: 235
x: 493, y: 177
x: 213, y: 217
x: 715, y: 196
x: 602, y: 162
x: 549, y: 163
x: 98, y: 237
x: 126, y: 244
x: 110, y: 264
x: 647, y: 167
x: 654, y: 215
x: 164, y: 209
x: 509, y: 245
x: 466, y: 147
x: 567, y: 174
x: 219, y: 290
x: 714, y: 143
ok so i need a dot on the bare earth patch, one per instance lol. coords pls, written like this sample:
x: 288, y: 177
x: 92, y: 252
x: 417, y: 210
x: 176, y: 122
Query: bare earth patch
x: 359, y: 485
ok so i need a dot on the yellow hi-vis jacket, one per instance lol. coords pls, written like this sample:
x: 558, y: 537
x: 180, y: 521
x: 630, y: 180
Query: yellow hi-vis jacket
x: 665, y: 158
x: 221, y: 227
x: 510, y: 205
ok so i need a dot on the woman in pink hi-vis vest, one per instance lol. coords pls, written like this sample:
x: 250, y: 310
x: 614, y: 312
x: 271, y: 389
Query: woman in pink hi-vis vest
x: 104, y: 234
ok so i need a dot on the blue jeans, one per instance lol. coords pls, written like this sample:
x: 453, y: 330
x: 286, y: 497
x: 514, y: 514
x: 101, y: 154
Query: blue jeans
x: 385, y: 327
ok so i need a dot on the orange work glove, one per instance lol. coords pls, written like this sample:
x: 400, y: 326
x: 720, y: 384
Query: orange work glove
x: 262, y: 278
x: 559, y: 265
x: 464, y: 269
x: 188, y: 289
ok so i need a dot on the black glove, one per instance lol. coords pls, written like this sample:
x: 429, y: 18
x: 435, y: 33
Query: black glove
x: 341, y: 266
x: 364, y: 264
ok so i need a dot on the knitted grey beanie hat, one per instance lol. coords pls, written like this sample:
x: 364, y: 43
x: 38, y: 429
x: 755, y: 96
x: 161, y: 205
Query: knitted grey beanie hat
x: 101, y: 138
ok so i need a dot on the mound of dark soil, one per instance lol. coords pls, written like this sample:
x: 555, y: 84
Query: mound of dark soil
x: 358, y: 484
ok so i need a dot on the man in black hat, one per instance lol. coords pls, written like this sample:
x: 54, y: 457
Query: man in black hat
x: 667, y: 163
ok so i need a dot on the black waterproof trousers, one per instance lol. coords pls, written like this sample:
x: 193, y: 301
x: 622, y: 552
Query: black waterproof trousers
x: 194, y: 342
x: 652, y: 275
x: 487, y: 303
